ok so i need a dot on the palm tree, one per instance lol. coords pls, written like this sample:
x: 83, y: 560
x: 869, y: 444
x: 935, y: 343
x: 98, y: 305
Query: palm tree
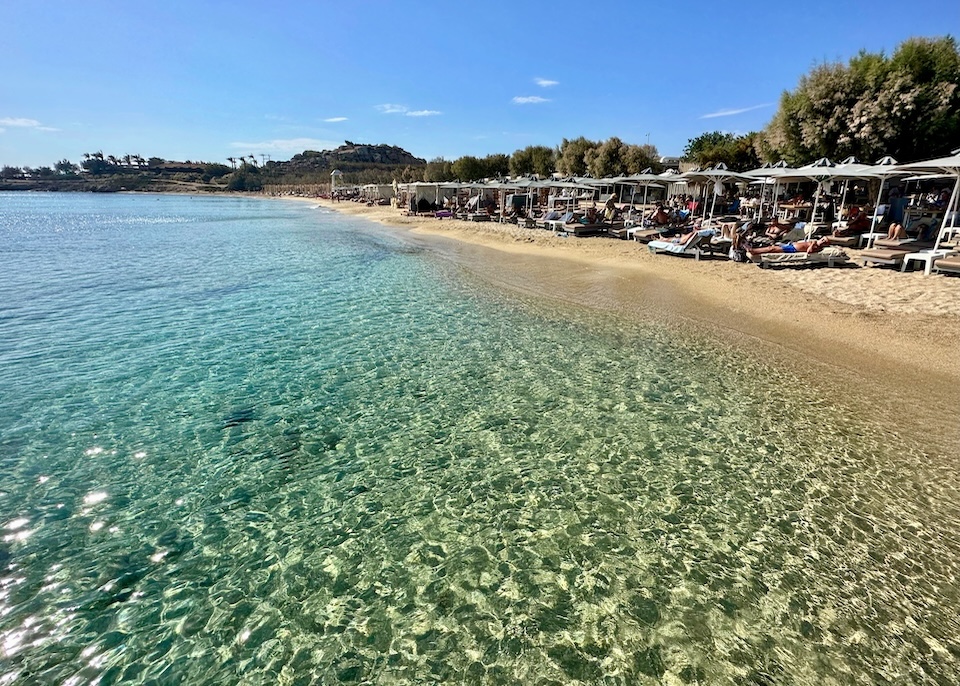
x: 232, y: 161
x: 253, y: 159
x: 112, y: 160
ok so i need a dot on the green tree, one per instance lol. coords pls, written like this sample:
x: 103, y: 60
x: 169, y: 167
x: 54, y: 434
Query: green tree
x: 247, y: 178
x: 66, y: 168
x: 907, y: 106
x: 607, y: 159
x: 640, y: 157
x: 97, y: 166
x: 438, y: 169
x: 737, y: 152
x: 496, y: 165
x: 469, y: 168
x: 212, y: 170
x: 571, y: 160
x: 534, y: 159
x: 11, y: 173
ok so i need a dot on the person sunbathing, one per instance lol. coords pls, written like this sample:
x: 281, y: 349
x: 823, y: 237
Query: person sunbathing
x: 858, y: 221
x: 808, y: 247
x: 659, y: 216
x: 775, y: 230
x: 682, y: 239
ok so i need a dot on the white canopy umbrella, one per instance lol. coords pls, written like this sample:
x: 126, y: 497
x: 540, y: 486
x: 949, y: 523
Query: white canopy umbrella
x: 824, y: 170
x: 766, y: 174
x: 718, y: 175
x: 850, y: 167
x: 645, y: 179
x: 948, y: 165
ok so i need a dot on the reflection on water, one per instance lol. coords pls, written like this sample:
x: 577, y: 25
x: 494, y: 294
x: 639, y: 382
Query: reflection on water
x: 321, y: 458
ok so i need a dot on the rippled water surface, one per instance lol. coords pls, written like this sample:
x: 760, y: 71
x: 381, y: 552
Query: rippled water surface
x: 254, y: 442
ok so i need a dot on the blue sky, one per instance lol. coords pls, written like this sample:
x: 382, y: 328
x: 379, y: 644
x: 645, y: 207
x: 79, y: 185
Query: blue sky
x: 207, y: 80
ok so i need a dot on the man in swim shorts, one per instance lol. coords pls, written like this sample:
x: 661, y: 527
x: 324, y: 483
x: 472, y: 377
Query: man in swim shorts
x: 808, y: 247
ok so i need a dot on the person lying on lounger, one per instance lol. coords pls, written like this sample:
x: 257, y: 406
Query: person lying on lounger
x: 808, y: 247
x: 776, y: 230
x: 682, y: 239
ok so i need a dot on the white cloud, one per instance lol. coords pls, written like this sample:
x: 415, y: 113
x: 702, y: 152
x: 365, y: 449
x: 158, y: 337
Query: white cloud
x: 529, y: 100
x: 287, y: 145
x: 19, y: 121
x: 729, y: 113
x: 23, y: 123
x: 403, y: 109
x: 545, y: 83
x: 392, y: 109
x: 333, y: 120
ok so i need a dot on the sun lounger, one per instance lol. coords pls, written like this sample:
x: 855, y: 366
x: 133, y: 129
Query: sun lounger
x: 617, y: 231
x: 646, y: 235
x: 902, y: 244
x: 948, y: 265
x: 698, y: 245
x: 830, y: 256
x: 845, y: 241
x: 887, y: 257
x: 558, y: 223
x: 582, y: 230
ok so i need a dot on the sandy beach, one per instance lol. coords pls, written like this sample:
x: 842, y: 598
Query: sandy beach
x: 892, y: 335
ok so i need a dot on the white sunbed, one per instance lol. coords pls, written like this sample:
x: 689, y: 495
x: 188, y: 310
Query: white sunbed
x: 830, y: 256
x: 698, y: 245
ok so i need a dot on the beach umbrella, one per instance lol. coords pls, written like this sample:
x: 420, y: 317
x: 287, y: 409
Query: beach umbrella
x: 850, y: 167
x: 823, y: 171
x: 947, y: 165
x: 645, y: 180
x: 766, y: 174
x: 717, y: 175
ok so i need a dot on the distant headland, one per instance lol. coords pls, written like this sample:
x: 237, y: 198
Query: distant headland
x: 101, y: 173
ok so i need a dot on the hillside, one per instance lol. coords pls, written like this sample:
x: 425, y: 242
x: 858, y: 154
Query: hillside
x: 358, y: 162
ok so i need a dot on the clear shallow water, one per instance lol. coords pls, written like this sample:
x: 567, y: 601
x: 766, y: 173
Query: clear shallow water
x: 253, y: 442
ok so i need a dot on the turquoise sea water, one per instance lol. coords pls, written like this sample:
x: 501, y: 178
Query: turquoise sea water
x: 253, y: 442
